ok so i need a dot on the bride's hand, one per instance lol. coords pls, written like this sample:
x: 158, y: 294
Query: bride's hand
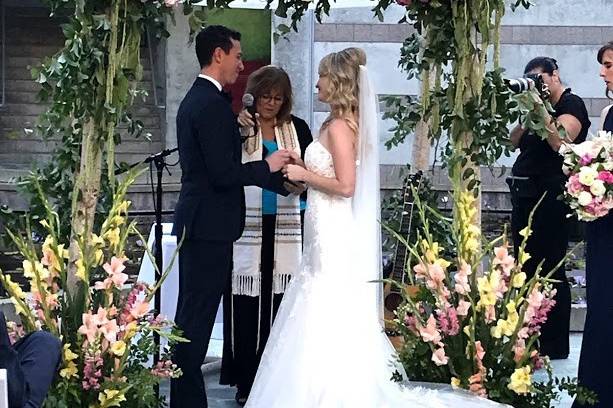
x: 295, y: 172
x: 296, y: 159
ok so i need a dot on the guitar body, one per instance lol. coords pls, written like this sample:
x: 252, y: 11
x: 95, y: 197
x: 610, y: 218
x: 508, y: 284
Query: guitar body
x: 393, y: 295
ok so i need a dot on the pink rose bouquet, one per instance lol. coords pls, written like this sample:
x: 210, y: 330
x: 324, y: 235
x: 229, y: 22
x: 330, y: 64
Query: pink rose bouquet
x: 589, y: 167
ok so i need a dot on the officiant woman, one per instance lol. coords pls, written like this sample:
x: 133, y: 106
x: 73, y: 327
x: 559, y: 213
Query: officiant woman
x: 269, y: 252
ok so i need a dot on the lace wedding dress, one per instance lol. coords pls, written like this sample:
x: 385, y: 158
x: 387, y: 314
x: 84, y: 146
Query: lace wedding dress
x: 327, y: 348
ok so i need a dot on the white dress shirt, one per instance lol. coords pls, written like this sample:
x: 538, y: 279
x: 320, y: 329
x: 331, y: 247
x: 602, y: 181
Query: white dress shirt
x: 213, y: 80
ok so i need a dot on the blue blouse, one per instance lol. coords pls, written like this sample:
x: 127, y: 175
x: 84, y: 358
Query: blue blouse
x: 269, y: 198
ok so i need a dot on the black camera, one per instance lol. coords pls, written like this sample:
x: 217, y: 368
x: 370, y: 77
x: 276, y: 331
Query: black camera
x: 529, y: 81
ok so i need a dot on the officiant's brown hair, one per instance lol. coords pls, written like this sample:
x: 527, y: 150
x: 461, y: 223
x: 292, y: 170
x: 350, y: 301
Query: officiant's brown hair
x: 271, y: 78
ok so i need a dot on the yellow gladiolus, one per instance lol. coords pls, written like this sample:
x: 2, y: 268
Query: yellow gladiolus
x: 69, y: 371
x: 113, y: 236
x: 118, y: 348
x: 98, y: 241
x: 519, y: 279
x: 81, y: 272
x: 111, y: 398
x: 123, y: 207
x: 523, y: 258
x: 68, y: 354
x: 526, y: 232
x: 521, y: 380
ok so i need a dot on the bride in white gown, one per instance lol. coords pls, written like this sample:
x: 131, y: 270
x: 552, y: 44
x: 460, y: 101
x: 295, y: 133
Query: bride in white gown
x: 327, y: 348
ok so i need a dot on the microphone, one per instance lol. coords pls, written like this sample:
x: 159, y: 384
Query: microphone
x: 248, y: 104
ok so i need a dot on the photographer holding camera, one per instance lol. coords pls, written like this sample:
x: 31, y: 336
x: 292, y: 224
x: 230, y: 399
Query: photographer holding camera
x: 538, y: 171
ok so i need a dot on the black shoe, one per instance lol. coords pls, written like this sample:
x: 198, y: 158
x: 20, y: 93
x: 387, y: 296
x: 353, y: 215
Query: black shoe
x: 240, y: 398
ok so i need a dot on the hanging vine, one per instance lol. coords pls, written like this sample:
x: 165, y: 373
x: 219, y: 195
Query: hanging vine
x: 90, y: 85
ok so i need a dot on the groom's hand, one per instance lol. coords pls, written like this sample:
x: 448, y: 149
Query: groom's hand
x: 296, y: 159
x: 277, y: 160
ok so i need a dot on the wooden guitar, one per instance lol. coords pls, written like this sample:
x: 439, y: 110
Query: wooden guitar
x: 392, y: 294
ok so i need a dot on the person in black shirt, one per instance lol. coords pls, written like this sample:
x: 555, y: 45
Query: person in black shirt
x: 538, y: 171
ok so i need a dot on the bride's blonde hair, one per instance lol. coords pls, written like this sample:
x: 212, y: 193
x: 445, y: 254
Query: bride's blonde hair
x: 343, y: 72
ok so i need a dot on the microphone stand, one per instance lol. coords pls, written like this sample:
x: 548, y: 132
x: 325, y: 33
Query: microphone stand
x: 159, y: 160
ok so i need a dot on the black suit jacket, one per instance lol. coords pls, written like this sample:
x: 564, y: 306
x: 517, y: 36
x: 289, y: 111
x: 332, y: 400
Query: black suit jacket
x: 211, y: 204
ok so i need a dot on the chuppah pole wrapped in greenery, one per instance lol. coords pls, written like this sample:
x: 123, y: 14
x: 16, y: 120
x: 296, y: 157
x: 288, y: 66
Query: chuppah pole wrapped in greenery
x: 473, y: 324
x: 77, y: 283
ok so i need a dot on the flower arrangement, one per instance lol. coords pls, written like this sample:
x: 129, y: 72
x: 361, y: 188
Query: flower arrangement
x: 106, y: 326
x: 589, y: 167
x: 477, y: 329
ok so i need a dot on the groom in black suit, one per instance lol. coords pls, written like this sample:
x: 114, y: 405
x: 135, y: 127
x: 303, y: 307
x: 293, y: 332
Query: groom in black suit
x: 211, y: 206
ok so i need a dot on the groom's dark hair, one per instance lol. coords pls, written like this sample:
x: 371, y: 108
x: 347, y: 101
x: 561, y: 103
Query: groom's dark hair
x: 211, y: 38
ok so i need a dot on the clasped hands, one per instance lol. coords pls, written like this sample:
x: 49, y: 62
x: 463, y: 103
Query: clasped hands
x: 292, y: 167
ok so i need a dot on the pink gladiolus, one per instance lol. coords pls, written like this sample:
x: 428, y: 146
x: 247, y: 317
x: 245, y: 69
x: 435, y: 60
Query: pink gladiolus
x: 164, y: 369
x: 89, y: 328
x: 476, y: 385
x: 140, y: 309
x: 476, y: 380
x: 479, y: 351
x: 463, y: 307
x: 523, y: 333
x: 490, y: 313
x: 519, y: 349
x: 115, y: 271
x: 126, y: 316
x: 110, y: 330
x: 504, y: 260
x: 461, y: 279
x: 539, y: 306
x: 92, y: 371
x: 436, y: 276
x: 439, y: 358
x: 537, y: 360
x: 411, y: 323
x: 448, y: 320
x: 420, y: 270
x: 404, y: 3
x: 430, y: 332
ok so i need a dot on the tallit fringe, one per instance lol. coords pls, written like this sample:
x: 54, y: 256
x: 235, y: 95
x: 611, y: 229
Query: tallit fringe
x: 280, y: 282
x: 246, y: 285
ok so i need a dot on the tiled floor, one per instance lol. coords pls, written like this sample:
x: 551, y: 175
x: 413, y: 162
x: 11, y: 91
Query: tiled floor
x: 223, y: 397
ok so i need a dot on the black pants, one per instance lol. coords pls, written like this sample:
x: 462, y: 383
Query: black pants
x: 204, y: 275
x: 548, y: 242
x: 248, y: 317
